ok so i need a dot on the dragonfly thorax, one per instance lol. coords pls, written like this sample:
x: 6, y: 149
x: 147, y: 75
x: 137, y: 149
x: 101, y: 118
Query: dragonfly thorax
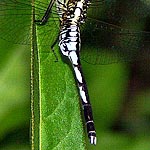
x: 75, y: 12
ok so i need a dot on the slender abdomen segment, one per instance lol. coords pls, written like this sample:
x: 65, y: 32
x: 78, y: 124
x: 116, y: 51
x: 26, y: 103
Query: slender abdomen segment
x: 70, y: 46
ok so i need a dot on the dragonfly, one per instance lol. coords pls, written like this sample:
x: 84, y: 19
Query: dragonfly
x: 101, y: 42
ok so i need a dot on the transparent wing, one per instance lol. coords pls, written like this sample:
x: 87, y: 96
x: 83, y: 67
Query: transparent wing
x: 16, y: 17
x: 105, y: 35
x: 117, y: 32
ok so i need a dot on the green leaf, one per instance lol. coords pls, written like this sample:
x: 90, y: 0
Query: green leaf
x: 56, y: 118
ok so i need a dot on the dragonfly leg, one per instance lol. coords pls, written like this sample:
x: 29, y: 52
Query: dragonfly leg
x: 45, y: 18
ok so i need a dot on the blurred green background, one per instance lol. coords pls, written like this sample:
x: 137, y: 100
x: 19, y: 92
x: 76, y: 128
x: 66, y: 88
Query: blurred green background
x: 14, y: 96
x: 120, y: 97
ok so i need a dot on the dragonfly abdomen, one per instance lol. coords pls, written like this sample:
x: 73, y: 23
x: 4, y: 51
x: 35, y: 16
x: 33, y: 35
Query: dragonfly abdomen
x: 70, y: 46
